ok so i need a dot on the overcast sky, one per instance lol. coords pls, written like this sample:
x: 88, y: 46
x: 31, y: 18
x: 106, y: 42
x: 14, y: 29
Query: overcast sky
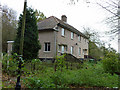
x: 78, y: 15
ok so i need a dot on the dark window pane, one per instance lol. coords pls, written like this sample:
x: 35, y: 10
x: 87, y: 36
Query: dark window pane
x: 48, y: 46
x: 45, y: 46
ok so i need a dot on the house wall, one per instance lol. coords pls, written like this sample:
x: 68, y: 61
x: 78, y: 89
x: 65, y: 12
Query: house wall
x: 55, y: 38
x: 47, y: 36
x: 66, y: 40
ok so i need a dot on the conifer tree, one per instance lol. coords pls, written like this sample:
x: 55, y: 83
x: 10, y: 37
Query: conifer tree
x: 31, y: 42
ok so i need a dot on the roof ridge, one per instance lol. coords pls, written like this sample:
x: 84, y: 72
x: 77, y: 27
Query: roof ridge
x: 55, y: 19
x: 44, y: 19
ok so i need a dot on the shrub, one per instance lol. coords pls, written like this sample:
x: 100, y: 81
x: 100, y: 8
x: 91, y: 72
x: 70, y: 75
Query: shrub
x: 59, y: 79
x: 35, y: 82
x: 34, y: 66
x: 60, y: 62
x: 92, y: 76
x: 10, y: 64
x: 110, y: 63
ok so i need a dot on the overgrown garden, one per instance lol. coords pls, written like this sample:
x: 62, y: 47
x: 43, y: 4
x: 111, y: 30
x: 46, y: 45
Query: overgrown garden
x: 38, y: 74
x: 100, y: 73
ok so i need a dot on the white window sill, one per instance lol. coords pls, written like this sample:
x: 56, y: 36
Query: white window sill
x: 46, y: 51
x: 63, y: 36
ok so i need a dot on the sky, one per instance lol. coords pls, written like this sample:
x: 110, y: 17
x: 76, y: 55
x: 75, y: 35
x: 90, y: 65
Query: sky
x: 80, y: 14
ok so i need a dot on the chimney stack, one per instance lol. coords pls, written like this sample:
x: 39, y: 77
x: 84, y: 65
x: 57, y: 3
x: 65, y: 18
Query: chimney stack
x: 64, y: 18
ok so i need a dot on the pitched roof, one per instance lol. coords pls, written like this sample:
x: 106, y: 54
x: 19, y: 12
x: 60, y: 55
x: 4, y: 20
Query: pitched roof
x: 51, y: 22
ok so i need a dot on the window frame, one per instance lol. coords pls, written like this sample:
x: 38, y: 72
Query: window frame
x: 62, y: 32
x: 79, y: 38
x: 62, y: 49
x: 71, y: 50
x: 79, y: 51
x: 72, y: 35
x: 47, y: 46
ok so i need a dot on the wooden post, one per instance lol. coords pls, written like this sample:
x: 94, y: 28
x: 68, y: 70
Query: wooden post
x: 23, y: 29
x: 18, y: 85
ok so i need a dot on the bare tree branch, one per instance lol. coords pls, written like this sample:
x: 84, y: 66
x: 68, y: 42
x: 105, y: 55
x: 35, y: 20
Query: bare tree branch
x: 108, y: 10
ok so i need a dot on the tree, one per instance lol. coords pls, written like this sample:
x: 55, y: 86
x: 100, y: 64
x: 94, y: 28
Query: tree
x: 110, y: 61
x: 112, y: 21
x: 39, y: 15
x: 31, y: 42
x: 9, y: 25
x: 95, y: 43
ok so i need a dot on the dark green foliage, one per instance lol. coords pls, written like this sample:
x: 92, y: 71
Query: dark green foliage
x: 94, y: 43
x: 10, y: 64
x: 34, y: 82
x: 60, y: 62
x: 95, y: 51
x: 111, y: 62
x: 31, y: 42
x: 91, y: 75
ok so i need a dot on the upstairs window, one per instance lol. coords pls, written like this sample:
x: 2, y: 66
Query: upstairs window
x: 79, y: 51
x: 72, y: 35
x: 47, y: 46
x: 62, y: 32
x: 79, y: 38
x: 72, y: 49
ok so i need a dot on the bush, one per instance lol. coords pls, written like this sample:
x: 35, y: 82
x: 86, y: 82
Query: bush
x: 110, y: 63
x: 59, y: 79
x: 60, y: 62
x: 34, y: 82
x: 10, y: 64
x: 92, y: 76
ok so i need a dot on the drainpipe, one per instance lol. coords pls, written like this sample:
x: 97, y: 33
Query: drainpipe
x: 55, y: 38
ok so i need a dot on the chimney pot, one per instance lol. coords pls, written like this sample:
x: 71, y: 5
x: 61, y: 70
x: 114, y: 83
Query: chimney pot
x: 64, y: 18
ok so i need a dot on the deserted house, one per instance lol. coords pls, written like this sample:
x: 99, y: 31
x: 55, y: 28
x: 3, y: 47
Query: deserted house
x: 57, y: 36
